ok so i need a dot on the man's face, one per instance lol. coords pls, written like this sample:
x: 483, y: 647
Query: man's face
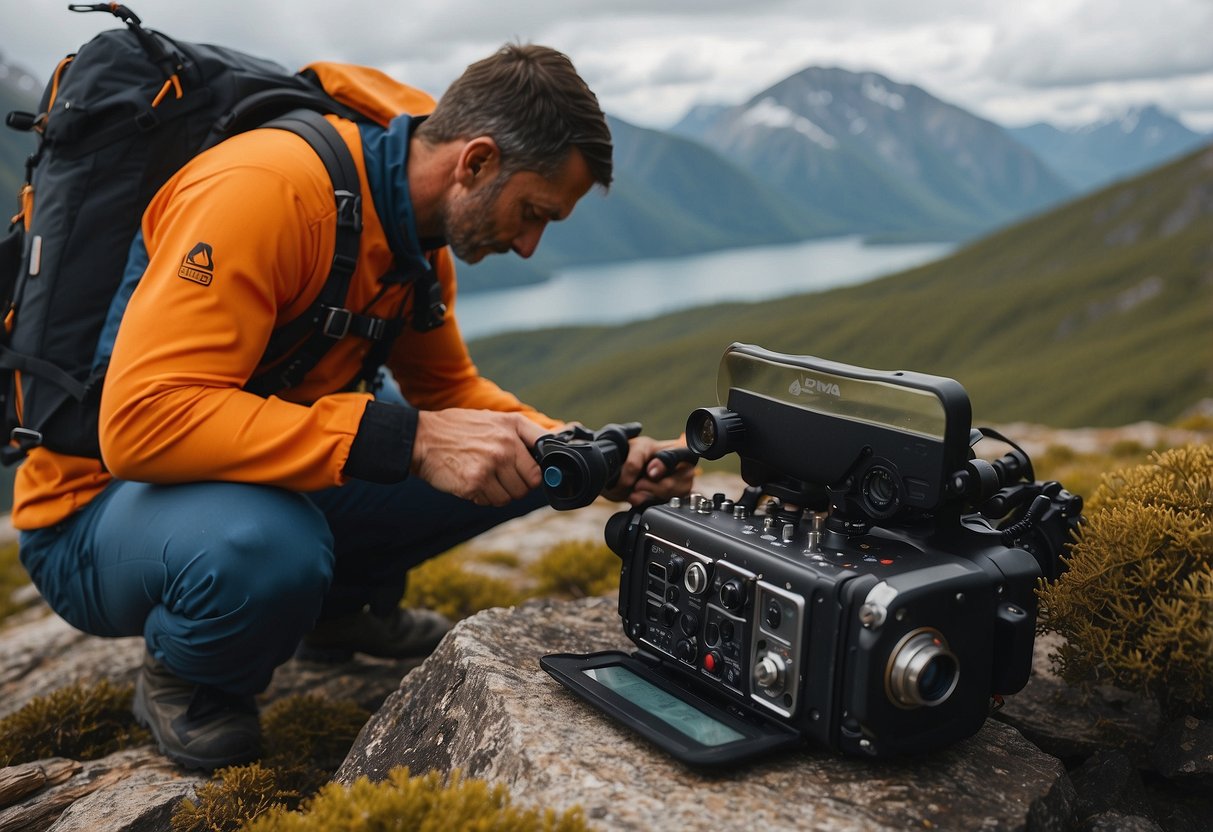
x: 510, y: 213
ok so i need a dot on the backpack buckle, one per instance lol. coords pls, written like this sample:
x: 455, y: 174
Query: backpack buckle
x: 349, y: 210
x: 336, y: 322
x: 26, y: 438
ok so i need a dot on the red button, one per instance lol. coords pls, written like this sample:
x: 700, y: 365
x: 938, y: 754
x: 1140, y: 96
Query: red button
x: 710, y: 663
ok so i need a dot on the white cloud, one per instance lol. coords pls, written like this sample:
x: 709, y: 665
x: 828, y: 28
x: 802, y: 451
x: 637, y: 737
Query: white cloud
x: 1033, y: 59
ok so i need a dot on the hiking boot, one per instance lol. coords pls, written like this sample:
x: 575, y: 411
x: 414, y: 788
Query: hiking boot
x: 198, y: 726
x: 400, y: 634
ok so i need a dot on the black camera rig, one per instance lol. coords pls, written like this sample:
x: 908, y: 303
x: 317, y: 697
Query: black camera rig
x: 871, y: 591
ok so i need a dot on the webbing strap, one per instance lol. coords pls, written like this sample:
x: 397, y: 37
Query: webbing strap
x: 327, y: 321
x: 11, y: 360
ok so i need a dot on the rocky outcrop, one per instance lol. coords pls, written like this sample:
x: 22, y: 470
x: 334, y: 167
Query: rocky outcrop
x: 481, y: 704
x: 135, y: 790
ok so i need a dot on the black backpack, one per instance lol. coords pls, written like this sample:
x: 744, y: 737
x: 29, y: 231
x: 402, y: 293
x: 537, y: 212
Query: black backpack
x: 118, y: 118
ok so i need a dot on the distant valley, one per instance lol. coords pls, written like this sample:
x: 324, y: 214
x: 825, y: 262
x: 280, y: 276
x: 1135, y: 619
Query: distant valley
x: 1096, y: 313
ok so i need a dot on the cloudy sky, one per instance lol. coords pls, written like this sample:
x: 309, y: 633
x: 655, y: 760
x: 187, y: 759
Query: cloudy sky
x: 1012, y: 61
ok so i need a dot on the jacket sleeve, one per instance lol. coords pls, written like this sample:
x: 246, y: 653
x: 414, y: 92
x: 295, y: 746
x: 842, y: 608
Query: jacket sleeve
x: 232, y: 250
x: 435, y: 369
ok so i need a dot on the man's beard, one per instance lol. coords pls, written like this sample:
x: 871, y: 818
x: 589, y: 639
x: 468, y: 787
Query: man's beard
x: 470, y: 227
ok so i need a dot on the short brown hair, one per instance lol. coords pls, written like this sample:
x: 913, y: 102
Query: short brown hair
x: 533, y: 104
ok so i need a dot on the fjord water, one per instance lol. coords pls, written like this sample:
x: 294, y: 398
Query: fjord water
x: 618, y: 293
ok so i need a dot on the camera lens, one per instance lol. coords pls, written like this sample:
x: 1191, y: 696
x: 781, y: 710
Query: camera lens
x: 880, y: 491
x: 713, y: 432
x: 922, y: 671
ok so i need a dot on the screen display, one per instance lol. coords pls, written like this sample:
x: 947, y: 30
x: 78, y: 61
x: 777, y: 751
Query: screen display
x: 870, y: 396
x: 686, y: 719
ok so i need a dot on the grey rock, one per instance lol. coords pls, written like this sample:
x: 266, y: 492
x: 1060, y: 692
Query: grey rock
x: 1108, y: 781
x: 46, y: 653
x: 142, y: 798
x: 1184, y: 752
x: 1072, y: 724
x: 482, y: 705
x: 135, y: 790
x: 1117, y: 822
x: 132, y: 790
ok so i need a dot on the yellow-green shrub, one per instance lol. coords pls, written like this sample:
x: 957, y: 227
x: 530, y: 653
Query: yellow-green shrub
x: 234, y: 796
x: 430, y: 803
x: 576, y: 569
x: 1136, y: 604
x: 306, y: 738
x: 81, y: 722
x: 445, y: 585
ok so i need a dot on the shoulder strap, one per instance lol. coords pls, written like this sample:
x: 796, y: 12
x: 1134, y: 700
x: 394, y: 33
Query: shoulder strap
x: 327, y: 321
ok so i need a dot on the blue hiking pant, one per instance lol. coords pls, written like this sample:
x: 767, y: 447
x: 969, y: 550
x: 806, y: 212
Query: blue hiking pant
x: 224, y: 579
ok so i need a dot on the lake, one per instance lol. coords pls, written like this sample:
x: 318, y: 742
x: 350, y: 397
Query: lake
x: 618, y: 293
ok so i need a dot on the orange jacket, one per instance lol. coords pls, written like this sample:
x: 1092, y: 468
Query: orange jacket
x: 173, y: 408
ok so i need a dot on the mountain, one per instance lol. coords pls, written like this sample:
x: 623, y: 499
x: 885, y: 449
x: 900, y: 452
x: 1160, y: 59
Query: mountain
x: 1097, y: 313
x: 1113, y: 148
x: 671, y: 196
x: 878, y: 156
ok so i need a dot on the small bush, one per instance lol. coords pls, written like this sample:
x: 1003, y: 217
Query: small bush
x: 1136, y: 604
x: 444, y: 585
x: 79, y: 722
x: 576, y: 569
x: 234, y: 796
x: 430, y: 803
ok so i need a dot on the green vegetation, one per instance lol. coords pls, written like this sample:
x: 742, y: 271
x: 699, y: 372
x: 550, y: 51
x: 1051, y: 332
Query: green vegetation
x: 576, y: 569
x: 1095, y: 314
x: 84, y: 721
x: 445, y: 585
x: 452, y: 584
x: 1136, y: 604
x: 12, y: 578
x: 231, y: 798
x: 306, y: 738
x: 430, y: 803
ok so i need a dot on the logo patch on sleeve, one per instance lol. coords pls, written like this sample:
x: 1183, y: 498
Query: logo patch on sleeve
x: 198, y: 265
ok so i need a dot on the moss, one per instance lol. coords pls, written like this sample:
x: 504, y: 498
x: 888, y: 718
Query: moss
x: 234, y: 796
x: 307, y: 737
x: 12, y: 578
x: 80, y: 722
x: 431, y: 803
x: 499, y: 558
x: 1136, y: 604
x: 576, y: 569
x: 446, y: 585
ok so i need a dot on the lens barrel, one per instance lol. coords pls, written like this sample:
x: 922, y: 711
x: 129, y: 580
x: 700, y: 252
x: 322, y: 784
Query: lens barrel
x: 922, y: 670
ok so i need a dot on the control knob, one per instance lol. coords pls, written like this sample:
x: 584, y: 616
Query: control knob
x: 732, y: 597
x: 769, y: 673
x: 696, y: 578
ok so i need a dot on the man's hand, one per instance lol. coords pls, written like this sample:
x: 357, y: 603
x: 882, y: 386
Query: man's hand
x: 644, y: 478
x: 480, y: 455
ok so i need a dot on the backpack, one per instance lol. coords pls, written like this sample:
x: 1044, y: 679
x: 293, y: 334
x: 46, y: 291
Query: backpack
x: 117, y: 119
